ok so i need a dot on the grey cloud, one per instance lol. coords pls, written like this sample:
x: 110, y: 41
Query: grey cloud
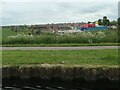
x: 55, y: 12
x: 119, y: 9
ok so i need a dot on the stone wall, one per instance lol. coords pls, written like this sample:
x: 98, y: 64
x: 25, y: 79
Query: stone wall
x: 60, y: 72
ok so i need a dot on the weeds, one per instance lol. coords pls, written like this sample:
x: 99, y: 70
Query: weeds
x: 109, y: 36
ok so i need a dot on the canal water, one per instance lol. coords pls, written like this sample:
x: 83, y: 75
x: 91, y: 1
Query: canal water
x: 36, y: 84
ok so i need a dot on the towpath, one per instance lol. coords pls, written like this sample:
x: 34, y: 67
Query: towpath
x: 60, y: 48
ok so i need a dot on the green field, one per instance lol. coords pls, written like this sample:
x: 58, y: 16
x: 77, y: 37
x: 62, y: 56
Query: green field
x: 7, y: 32
x: 89, y: 38
x: 74, y: 57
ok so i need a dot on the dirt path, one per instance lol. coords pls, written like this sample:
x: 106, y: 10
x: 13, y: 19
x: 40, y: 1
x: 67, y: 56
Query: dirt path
x: 60, y: 48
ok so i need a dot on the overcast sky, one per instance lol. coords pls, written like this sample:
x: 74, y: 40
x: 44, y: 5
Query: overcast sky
x: 56, y: 12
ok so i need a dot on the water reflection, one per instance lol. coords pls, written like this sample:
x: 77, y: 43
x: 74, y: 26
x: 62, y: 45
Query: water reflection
x: 37, y: 84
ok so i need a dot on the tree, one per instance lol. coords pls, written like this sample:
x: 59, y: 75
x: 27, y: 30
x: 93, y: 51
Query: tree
x: 119, y: 21
x: 113, y: 23
x: 119, y: 27
x: 100, y: 22
x: 106, y: 21
x: 89, y: 22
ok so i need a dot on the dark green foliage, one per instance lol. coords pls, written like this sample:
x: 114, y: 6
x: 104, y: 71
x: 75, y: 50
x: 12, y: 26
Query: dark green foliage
x: 106, y: 21
x: 119, y: 21
x: 100, y: 22
x: 113, y: 22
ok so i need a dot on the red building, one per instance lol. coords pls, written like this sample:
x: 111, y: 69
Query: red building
x: 89, y: 25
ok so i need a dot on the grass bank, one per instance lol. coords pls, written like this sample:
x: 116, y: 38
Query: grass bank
x: 84, y: 58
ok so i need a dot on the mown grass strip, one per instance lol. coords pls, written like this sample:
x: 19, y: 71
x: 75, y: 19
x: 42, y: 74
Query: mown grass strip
x: 65, y: 57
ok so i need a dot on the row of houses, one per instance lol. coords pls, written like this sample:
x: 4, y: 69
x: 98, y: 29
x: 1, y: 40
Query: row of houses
x: 46, y: 27
x: 55, y: 27
x: 60, y: 27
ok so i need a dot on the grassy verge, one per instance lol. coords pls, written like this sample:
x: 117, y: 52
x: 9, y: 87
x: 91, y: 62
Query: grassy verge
x: 60, y: 45
x: 74, y: 57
